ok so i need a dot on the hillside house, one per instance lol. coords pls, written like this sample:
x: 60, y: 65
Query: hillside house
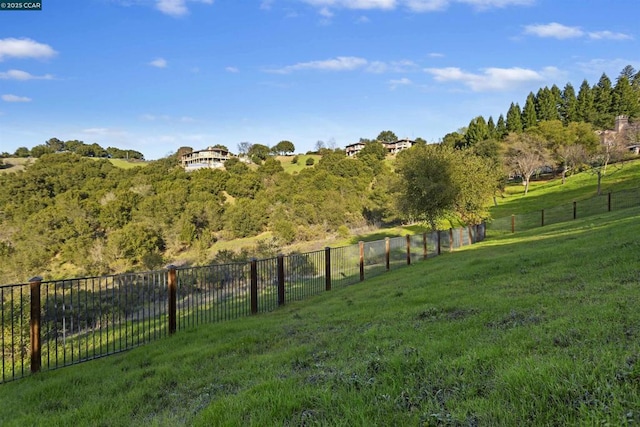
x: 211, y: 157
x: 392, y: 147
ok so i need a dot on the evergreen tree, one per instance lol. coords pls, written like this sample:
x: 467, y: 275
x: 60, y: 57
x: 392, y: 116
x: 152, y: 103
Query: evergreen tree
x: 477, y: 131
x: 529, y: 116
x: 584, y: 103
x: 602, y: 103
x: 501, y: 128
x: 514, y: 119
x: 569, y: 105
x: 624, y: 99
x: 546, y: 107
x: 492, y: 127
x: 556, y: 94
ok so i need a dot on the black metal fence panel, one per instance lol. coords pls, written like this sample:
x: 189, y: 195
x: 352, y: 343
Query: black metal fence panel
x: 87, y: 318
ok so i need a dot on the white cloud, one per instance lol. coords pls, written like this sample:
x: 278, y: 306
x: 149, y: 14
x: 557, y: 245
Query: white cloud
x: 608, y: 35
x: 436, y: 55
x: 559, y: 31
x: 24, y: 48
x: 492, y: 79
x: 22, y: 75
x: 159, y: 63
x: 232, y: 69
x: 393, y: 84
x: 176, y: 7
x: 340, y: 63
x: 15, y: 98
x: 349, y: 63
x: 553, y: 30
x: 413, y: 5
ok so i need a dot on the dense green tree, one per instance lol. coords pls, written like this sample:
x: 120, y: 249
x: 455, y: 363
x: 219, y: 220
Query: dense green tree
x: 22, y: 152
x: 386, y: 136
x: 258, y: 153
x: 625, y: 100
x: 585, y: 110
x: 437, y: 180
x: 235, y: 166
x: 529, y: 116
x: 55, y: 145
x: 569, y: 105
x: 491, y: 126
x: 284, y: 147
x: 514, y: 119
x: 501, y: 128
x: 454, y: 139
x: 602, y: 103
x: 476, y: 131
x: 546, y: 105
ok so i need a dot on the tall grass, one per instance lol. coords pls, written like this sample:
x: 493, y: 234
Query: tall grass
x: 537, y: 328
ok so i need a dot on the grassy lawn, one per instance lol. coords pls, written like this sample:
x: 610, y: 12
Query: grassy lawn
x: 301, y: 164
x: 547, y: 194
x: 536, y: 328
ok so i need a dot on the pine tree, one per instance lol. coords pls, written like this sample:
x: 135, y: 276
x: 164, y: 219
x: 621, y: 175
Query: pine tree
x: 501, y: 128
x: 556, y: 94
x: 569, y: 106
x: 602, y: 103
x: 514, y: 119
x: 584, y: 103
x: 477, y: 131
x: 492, y: 127
x: 529, y: 116
x: 546, y: 108
x: 625, y: 99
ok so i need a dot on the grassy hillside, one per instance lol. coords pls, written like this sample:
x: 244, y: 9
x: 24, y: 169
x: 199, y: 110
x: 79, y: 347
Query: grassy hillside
x: 14, y: 164
x: 537, y: 328
x: 545, y: 194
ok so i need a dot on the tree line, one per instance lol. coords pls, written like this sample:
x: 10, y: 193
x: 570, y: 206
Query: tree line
x: 54, y: 145
x: 67, y: 215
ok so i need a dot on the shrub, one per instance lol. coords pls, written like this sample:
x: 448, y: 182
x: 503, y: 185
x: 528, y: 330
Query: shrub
x: 310, y: 161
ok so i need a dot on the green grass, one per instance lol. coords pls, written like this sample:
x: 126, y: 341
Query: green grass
x: 127, y: 164
x: 536, y: 328
x: 301, y: 163
x: 547, y: 194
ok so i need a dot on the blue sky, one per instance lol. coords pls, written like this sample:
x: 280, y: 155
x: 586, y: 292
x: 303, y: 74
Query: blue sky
x: 155, y: 75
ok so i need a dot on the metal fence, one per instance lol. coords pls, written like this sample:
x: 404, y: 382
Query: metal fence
x: 51, y: 324
x: 566, y: 212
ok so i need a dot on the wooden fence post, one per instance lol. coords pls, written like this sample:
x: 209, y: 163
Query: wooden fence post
x: 254, y: 286
x: 513, y: 223
x: 408, y: 249
x: 327, y: 268
x: 34, y: 324
x: 387, y: 252
x: 424, y: 246
x: 438, y: 238
x: 451, y: 240
x: 470, y: 230
x: 361, y: 244
x: 609, y: 202
x: 172, y: 285
x: 575, y: 209
x: 281, y: 279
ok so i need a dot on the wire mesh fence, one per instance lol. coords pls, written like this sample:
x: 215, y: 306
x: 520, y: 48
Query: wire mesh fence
x: 51, y: 324
x: 566, y: 212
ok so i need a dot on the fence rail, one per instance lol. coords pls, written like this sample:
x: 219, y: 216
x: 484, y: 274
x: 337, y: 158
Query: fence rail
x: 567, y: 212
x: 52, y: 324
